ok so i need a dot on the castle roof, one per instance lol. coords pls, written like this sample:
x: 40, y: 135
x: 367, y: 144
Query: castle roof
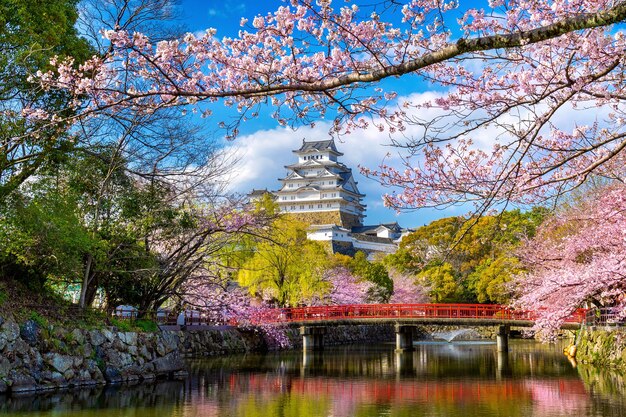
x: 258, y: 193
x: 318, y: 146
x: 394, y: 227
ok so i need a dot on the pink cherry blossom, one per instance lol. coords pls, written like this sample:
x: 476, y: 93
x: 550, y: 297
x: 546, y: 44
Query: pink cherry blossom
x: 510, y: 73
x: 577, y: 259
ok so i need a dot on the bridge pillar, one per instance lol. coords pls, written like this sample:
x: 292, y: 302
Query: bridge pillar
x: 312, y: 337
x: 502, y: 338
x: 404, y: 338
x: 404, y: 362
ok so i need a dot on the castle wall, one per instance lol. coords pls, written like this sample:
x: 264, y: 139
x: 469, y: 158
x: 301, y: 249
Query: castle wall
x: 319, y: 217
x: 350, y: 220
x: 335, y: 217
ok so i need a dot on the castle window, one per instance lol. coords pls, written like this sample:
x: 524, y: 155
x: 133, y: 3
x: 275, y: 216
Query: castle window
x: 293, y: 207
x: 290, y: 185
x: 334, y: 194
x: 310, y: 206
x: 329, y: 205
x: 284, y: 198
x: 302, y: 207
x: 319, y: 206
x: 293, y: 197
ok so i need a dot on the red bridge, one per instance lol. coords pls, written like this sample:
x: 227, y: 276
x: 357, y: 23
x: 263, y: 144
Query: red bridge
x: 449, y: 314
x: 313, y: 320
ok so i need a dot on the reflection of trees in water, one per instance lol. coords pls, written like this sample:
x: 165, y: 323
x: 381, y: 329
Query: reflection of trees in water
x: 162, y: 395
x: 607, y: 388
x: 456, y: 380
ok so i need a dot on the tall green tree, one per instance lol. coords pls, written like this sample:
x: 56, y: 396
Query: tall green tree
x: 285, y: 266
x: 31, y: 33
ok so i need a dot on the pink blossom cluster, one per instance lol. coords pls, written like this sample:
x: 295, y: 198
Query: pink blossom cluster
x: 310, y: 58
x: 228, y: 303
x: 405, y: 291
x: 344, y: 288
x: 577, y: 259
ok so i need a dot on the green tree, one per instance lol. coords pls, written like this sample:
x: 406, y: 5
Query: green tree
x: 489, y: 280
x: 476, y: 251
x: 441, y: 280
x: 285, y: 265
x: 31, y: 33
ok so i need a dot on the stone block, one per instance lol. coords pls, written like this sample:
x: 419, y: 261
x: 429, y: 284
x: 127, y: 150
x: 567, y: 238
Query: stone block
x: 29, y: 332
x: 21, y: 382
x: 97, y: 338
x: 11, y: 331
x: 169, y: 363
x: 60, y: 363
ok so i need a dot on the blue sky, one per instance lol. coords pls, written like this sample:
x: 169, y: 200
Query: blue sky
x: 264, y: 147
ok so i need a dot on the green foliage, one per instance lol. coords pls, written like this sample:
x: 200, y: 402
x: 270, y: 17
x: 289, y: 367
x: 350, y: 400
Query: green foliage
x: 489, y: 279
x: 44, y: 237
x: 442, y: 282
x: 467, y: 260
x: 374, y: 272
x: 403, y: 261
x: 122, y: 325
x: 144, y: 325
x: 31, y: 33
x: 285, y: 264
x: 41, y: 321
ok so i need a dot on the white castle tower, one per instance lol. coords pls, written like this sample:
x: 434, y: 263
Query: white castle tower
x: 319, y: 189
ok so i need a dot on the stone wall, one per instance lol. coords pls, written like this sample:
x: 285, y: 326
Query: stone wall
x: 211, y: 342
x: 320, y: 217
x: 602, y: 347
x: 349, y: 334
x: 336, y: 217
x: 35, y: 357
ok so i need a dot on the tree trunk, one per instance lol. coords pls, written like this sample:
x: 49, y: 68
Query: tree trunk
x: 86, y: 282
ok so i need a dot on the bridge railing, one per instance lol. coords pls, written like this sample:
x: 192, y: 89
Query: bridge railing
x: 399, y: 311
x: 606, y: 316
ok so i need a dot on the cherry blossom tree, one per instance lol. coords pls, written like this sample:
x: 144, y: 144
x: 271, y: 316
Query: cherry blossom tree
x: 578, y: 258
x: 405, y: 290
x: 225, y: 302
x: 344, y: 288
x: 509, y: 70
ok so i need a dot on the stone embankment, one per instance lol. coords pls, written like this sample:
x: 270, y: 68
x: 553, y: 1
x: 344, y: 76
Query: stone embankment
x: 38, y: 358
x: 221, y: 341
x: 35, y: 357
x: 604, y: 347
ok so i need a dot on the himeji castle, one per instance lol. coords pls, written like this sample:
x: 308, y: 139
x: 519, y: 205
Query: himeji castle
x: 322, y: 187
x: 321, y: 191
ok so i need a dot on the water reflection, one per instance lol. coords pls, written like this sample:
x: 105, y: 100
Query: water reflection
x: 437, y: 379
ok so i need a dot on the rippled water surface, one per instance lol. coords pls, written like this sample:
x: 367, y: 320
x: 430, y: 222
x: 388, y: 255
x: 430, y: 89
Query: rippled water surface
x: 439, y: 379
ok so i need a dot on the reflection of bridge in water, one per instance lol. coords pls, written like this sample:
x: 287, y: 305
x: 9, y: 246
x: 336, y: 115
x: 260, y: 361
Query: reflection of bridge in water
x: 314, y: 320
x: 387, y: 391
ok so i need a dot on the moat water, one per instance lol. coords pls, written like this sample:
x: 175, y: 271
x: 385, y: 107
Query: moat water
x: 455, y: 379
